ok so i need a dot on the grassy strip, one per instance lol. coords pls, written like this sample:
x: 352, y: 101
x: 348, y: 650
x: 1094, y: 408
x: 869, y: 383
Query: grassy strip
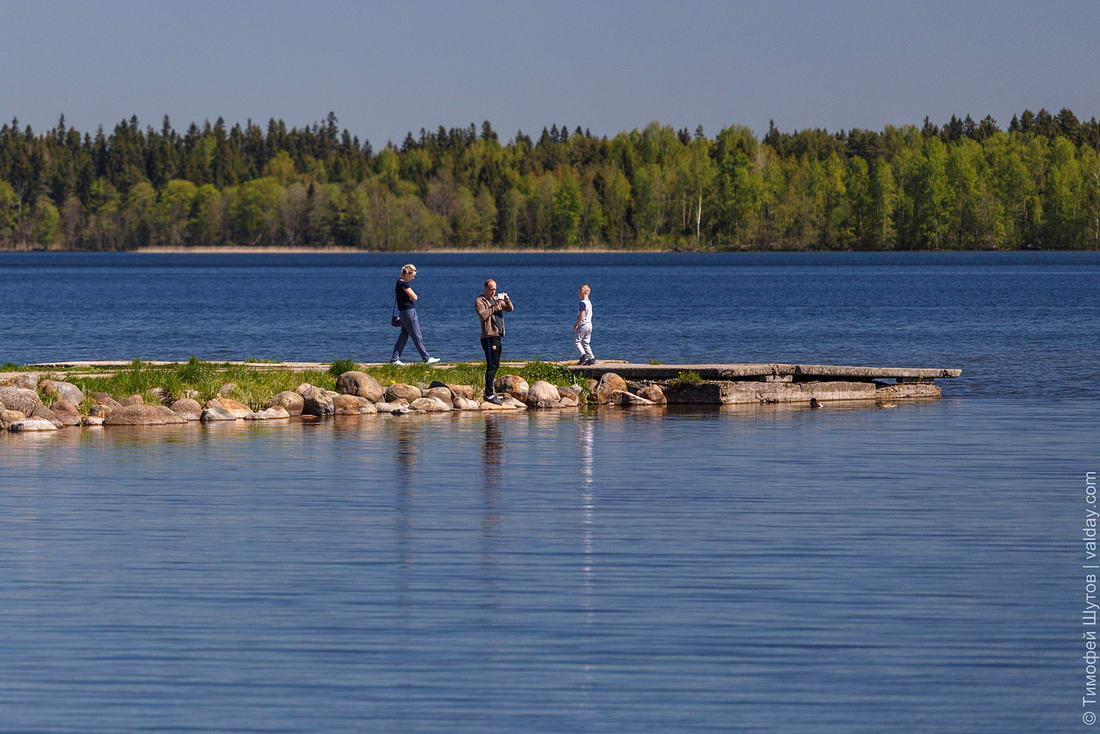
x: 255, y: 385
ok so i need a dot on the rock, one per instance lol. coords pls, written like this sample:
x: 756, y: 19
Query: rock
x: 609, y: 383
x: 461, y: 403
x: 141, y: 415
x: 622, y: 397
x: 10, y: 416
x: 188, y: 409
x: 514, y: 404
x: 193, y: 394
x: 63, y: 390
x: 19, y: 398
x: 653, y: 393
x: 46, y: 414
x: 401, y: 391
x: 568, y: 402
x: 132, y: 400
x: 103, y: 398
x: 442, y: 394
x: 238, y: 409
x: 92, y: 421
x: 26, y: 380
x: 569, y: 392
x: 162, y: 395
x: 303, y: 387
x: 99, y: 410
x: 32, y: 424
x: 292, y: 402
x: 346, y: 405
x: 391, y: 407
x: 513, y: 385
x: 66, y: 412
x: 216, y: 413
x: 430, y: 405
x: 361, y: 384
x: 462, y: 391
x: 227, y: 389
x: 275, y: 412
x: 745, y: 392
x: 316, y: 402
x: 908, y: 390
x: 486, y: 405
x: 543, y: 395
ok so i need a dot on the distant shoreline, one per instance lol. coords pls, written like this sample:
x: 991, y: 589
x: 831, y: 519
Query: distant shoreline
x: 272, y: 250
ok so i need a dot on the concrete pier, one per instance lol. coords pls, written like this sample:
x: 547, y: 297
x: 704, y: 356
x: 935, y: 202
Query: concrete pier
x: 774, y: 372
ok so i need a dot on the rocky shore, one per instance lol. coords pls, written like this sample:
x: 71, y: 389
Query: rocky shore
x: 33, y: 402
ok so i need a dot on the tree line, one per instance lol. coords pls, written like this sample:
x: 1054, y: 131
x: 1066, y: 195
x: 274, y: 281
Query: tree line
x: 960, y: 185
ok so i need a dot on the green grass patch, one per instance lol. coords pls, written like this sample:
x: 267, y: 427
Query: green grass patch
x: 688, y: 378
x: 654, y: 361
x: 341, y: 366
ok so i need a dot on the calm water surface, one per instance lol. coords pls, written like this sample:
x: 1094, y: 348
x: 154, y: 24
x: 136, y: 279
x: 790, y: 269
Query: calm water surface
x: 850, y: 569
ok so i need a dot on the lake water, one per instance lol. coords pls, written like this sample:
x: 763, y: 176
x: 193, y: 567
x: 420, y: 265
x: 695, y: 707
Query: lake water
x: 770, y: 569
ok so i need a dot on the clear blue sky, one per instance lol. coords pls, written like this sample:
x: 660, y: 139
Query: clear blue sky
x: 606, y: 65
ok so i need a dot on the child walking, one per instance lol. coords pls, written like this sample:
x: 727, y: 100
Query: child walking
x: 582, y: 329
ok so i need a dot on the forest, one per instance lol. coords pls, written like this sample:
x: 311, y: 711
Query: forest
x: 961, y: 185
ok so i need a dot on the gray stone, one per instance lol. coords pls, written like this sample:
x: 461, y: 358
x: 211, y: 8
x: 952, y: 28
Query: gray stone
x: 461, y: 403
x: 132, y: 400
x: 905, y: 391
x: 66, y: 412
x: 142, y: 415
x: 161, y: 395
x: 622, y: 397
x: 19, y: 398
x: 215, y: 413
x: 430, y: 405
x: 401, y: 391
x: 568, y: 402
x: 543, y: 395
x: 227, y: 389
x: 10, y: 416
x: 92, y: 421
x: 103, y: 398
x: 316, y: 402
x: 45, y: 413
x: 513, y: 385
x: 275, y: 412
x: 26, y: 380
x: 188, y: 409
x: 292, y: 402
x: 442, y: 394
x: 99, y: 410
x: 62, y: 390
x: 361, y: 384
x: 31, y: 424
x: 238, y: 409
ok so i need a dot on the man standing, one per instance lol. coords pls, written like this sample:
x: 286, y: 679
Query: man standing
x: 490, y: 307
x: 582, y: 329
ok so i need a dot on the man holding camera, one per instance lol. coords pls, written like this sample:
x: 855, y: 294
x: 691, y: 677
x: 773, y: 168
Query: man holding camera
x: 490, y: 307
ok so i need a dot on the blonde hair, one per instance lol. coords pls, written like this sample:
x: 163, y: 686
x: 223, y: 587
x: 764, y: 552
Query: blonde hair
x: 406, y: 269
x: 585, y: 288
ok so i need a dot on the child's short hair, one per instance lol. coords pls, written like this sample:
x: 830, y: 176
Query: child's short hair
x: 585, y: 288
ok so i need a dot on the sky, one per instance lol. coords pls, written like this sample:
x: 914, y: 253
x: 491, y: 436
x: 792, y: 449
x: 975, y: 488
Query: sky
x: 605, y: 65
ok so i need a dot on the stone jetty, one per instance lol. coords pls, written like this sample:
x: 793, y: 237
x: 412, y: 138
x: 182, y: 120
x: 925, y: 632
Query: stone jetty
x: 41, y: 401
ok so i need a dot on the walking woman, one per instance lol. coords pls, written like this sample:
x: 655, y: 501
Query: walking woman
x: 405, y: 300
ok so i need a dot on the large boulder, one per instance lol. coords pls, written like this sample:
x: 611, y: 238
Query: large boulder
x: 32, y: 424
x: 66, y: 412
x: 352, y: 405
x: 237, y: 409
x: 608, y: 384
x: 361, y: 384
x: 568, y: 401
x: 316, y: 402
x: 10, y: 416
x: 188, y: 409
x: 46, y: 414
x: 301, y: 389
x: 292, y: 402
x: 216, y: 413
x: 142, y: 415
x: 25, y: 380
x: 19, y: 398
x: 457, y: 391
x: 430, y: 405
x: 99, y: 410
x: 401, y: 391
x: 132, y: 400
x: 543, y: 395
x: 442, y: 394
x: 62, y: 390
x: 102, y: 398
x: 513, y: 385
x: 653, y: 393
x: 275, y: 412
